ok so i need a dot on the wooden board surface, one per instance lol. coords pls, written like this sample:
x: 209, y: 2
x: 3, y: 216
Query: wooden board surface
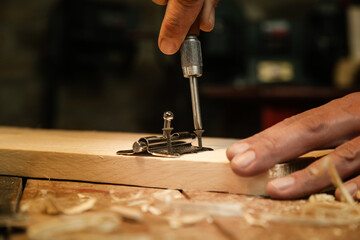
x: 91, y: 156
x: 155, y: 227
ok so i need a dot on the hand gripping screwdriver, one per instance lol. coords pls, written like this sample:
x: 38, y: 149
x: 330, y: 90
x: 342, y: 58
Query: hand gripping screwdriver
x: 192, y: 67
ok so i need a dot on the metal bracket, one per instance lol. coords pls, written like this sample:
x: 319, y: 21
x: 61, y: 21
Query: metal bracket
x: 168, y: 145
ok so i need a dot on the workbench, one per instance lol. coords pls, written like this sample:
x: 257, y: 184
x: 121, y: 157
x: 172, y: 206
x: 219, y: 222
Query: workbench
x: 40, y: 208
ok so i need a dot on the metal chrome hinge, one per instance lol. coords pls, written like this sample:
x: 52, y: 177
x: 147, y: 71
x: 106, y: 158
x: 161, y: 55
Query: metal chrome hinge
x: 167, y: 145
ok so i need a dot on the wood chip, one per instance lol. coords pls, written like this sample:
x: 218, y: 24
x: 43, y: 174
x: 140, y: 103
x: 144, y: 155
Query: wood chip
x: 83, y: 207
x: 167, y: 195
x: 335, y: 179
x: 137, y: 202
x: 255, y: 221
x: 177, y: 221
x: 54, y: 228
x: 48, y: 206
x: 321, y: 197
x: 214, y: 209
x: 127, y: 212
x: 137, y: 196
x: 154, y: 211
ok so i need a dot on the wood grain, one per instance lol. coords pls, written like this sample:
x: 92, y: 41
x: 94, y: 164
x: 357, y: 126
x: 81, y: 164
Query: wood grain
x: 91, y: 156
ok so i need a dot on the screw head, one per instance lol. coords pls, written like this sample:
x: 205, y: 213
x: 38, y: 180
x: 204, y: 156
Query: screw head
x: 168, y: 115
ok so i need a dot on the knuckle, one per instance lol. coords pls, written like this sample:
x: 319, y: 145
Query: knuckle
x: 290, y: 120
x: 348, y: 151
x: 311, y: 173
x: 350, y: 105
x: 269, y: 143
x: 314, y: 124
x: 174, y: 26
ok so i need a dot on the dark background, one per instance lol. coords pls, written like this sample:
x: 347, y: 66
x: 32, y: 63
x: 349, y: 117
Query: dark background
x: 95, y: 64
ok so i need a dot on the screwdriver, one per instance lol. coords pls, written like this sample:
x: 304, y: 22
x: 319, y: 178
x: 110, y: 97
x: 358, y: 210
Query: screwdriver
x: 192, y: 67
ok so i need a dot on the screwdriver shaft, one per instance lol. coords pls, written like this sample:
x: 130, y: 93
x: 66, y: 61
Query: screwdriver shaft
x: 195, y: 102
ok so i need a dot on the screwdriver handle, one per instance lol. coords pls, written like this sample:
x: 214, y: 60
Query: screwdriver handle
x: 195, y: 28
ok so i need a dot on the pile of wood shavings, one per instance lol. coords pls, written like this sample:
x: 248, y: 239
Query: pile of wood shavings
x: 47, y: 204
x: 171, y: 206
x: 320, y: 209
x: 55, y: 228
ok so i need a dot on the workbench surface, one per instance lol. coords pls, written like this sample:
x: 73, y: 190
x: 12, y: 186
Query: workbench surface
x: 41, y: 200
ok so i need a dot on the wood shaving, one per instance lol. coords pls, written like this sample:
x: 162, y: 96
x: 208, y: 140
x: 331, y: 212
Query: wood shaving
x: 259, y: 221
x: 83, y: 197
x: 154, y: 211
x: 167, y: 196
x: 54, y: 228
x: 137, y: 196
x: 335, y: 178
x: 128, y: 213
x: 145, y: 208
x: 177, y: 221
x: 358, y: 195
x: 321, y: 209
x: 321, y: 197
x: 83, y: 207
x: 214, y: 209
x: 48, y: 206
x: 138, y: 202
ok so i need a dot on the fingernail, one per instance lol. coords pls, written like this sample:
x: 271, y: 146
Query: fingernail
x: 282, y: 184
x: 167, y: 46
x: 351, y: 187
x: 239, y: 148
x: 244, y: 160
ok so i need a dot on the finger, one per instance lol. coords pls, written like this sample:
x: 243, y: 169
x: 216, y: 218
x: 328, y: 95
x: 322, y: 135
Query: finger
x: 352, y: 186
x: 179, y: 16
x: 346, y: 160
x: 325, y: 126
x: 207, y: 17
x: 160, y: 2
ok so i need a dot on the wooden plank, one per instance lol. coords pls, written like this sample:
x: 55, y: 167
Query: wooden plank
x: 154, y: 227
x: 10, y: 192
x: 66, y: 194
x: 257, y: 206
x: 91, y: 156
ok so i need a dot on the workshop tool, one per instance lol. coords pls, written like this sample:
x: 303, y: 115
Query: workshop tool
x: 192, y: 67
x: 167, y: 145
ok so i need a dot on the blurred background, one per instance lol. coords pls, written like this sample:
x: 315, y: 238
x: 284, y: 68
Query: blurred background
x: 95, y: 64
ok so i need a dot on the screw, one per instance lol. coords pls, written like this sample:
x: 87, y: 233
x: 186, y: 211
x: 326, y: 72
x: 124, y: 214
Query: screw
x: 168, y: 116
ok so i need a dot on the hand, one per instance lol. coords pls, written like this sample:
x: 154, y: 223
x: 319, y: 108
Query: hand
x: 336, y: 123
x: 179, y: 16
